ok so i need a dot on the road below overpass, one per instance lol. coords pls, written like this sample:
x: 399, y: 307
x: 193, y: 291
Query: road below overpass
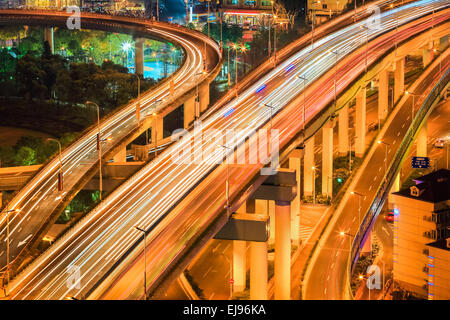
x: 329, y: 273
x: 39, y: 200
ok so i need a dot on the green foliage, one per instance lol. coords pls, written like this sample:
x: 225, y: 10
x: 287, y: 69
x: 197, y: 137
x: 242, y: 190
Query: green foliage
x: 25, y: 156
x: 231, y: 33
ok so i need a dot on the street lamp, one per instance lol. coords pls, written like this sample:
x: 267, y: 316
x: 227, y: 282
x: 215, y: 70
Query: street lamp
x: 155, y: 115
x: 367, y: 49
x: 60, y: 173
x: 99, y: 146
x: 125, y: 47
x: 359, y: 205
x: 413, y: 104
x: 351, y: 236
x: 270, y: 141
x: 336, y: 53
x: 227, y: 185
x: 138, y: 104
x: 197, y: 98
x: 304, y: 102
x: 7, y: 212
x: 385, y: 156
x: 145, y: 260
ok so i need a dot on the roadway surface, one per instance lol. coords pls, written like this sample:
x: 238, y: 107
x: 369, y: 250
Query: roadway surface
x: 175, y: 199
x: 39, y: 198
x: 329, y: 272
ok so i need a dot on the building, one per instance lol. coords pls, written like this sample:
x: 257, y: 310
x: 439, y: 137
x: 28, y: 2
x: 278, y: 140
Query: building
x: 421, y: 225
x: 323, y: 10
x: 439, y: 270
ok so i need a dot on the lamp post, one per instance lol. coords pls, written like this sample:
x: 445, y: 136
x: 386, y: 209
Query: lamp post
x: 336, y: 53
x: 197, y: 98
x: 145, y: 260
x: 359, y: 205
x: 60, y: 173
x: 270, y: 140
x: 386, y: 145
x: 227, y: 184
x: 304, y: 103
x: 366, y: 51
x: 99, y: 146
x: 413, y: 104
x: 138, y: 103
x: 155, y: 115
x: 7, y: 212
x: 351, y: 236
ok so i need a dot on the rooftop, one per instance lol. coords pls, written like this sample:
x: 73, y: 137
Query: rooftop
x: 433, y: 187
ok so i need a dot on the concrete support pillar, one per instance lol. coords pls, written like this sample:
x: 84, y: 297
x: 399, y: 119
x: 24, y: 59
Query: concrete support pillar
x: 327, y: 159
x: 48, y: 36
x: 294, y: 163
x: 239, y: 265
x: 121, y: 156
x: 360, y: 123
x: 307, y: 167
x: 282, y: 266
x: 399, y: 79
x: 443, y: 43
x: 395, y: 186
x: 422, y: 138
x: 189, y: 111
x: 427, y: 54
x: 258, y: 270
x: 383, y: 94
x: 343, y: 131
x: 272, y: 221
x: 139, y: 56
x: 204, y: 97
x: 157, y: 129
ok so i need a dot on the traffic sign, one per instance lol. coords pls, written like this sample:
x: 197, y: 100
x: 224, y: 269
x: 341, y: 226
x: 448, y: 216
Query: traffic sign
x: 231, y: 281
x: 420, y: 162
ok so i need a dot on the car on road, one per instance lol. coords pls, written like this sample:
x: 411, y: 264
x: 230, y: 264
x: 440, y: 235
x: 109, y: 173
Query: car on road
x: 389, y: 216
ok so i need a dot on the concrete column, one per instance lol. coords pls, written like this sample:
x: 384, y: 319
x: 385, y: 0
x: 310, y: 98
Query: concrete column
x: 343, y: 131
x: 121, y: 156
x: 443, y: 43
x: 189, y: 111
x: 272, y: 221
x: 327, y: 159
x: 48, y: 36
x: 239, y: 265
x: 258, y: 270
x: 360, y: 123
x: 427, y: 54
x: 422, y: 137
x: 157, y: 129
x: 307, y: 167
x: 383, y: 94
x: 282, y: 267
x: 399, y: 79
x: 294, y: 163
x: 139, y: 56
x: 204, y: 97
x: 396, y: 185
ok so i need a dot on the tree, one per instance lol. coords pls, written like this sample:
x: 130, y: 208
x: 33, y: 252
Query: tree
x: 25, y: 156
x: 30, y: 76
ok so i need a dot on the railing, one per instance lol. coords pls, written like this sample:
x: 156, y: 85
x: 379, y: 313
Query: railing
x: 384, y: 188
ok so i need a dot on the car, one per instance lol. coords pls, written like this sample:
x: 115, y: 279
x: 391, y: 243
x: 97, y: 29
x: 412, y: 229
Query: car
x: 439, y: 143
x: 389, y: 216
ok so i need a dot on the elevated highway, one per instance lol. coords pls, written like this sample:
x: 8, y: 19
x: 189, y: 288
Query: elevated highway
x: 39, y: 202
x: 180, y: 203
